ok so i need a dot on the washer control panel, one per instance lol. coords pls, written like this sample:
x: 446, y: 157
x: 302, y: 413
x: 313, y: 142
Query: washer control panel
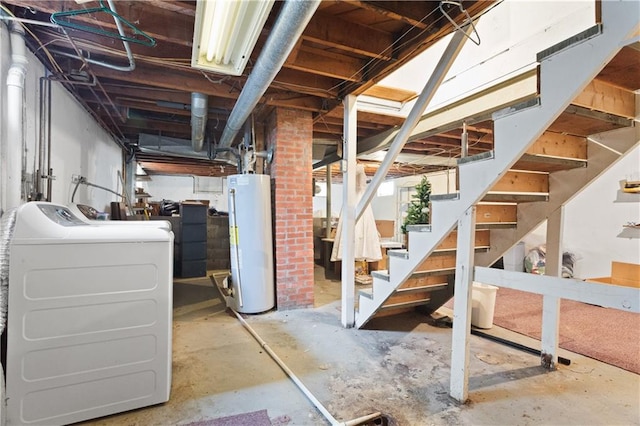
x: 61, y: 215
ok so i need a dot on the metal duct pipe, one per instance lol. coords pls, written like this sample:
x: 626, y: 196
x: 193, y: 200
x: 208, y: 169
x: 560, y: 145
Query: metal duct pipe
x: 14, y: 140
x: 291, y: 22
x: 199, y: 105
x: 7, y: 224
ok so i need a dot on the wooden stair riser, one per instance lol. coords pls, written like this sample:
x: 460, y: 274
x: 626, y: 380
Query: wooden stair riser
x: 423, y: 281
x: 432, y: 262
x: 399, y: 298
x: 522, y: 181
x: 560, y: 145
x: 608, y: 98
x: 496, y: 213
x: 451, y: 241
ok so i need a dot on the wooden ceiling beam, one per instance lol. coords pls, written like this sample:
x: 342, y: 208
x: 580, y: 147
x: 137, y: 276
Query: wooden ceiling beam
x: 445, y: 141
x: 155, y: 125
x: 338, y: 130
x: 302, y: 82
x: 296, y: 101
x: 372, y: 117
x: 149, y: 93
x: 333, y: 31
x: 413, y: 13
x: 423, y: 40
x: 186, y: 8
x: 170, y: 79
x: 134, y: 132
x: 361, y: 123
x: 102, y: 45
x: 318, y: 61
x: 161, y: 24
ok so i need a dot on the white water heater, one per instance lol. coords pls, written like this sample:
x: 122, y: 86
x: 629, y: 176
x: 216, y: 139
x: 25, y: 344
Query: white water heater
x: 252, y: 281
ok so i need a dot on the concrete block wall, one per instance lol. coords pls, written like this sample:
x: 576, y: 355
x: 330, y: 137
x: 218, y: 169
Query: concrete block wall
x: 218, y: 250
x: 291, y: 131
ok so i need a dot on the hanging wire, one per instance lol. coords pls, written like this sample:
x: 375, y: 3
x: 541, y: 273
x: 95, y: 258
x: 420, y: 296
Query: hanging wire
x: 346, y: 84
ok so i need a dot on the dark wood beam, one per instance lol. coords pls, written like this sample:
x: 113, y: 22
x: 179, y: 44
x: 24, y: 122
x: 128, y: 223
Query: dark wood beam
x: 410, y: 12
x: 161, y: 24
x: 318, y: 61
x: 333, y: 31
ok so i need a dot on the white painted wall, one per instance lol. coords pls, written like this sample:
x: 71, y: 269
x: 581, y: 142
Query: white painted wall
x: 180, y: 188
x: 79, y: 145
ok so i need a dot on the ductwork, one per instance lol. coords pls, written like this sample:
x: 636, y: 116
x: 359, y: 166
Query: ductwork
x: 293, y: 19
x: 14, y: 140
x: 199, y: 105
x: 7, y: 225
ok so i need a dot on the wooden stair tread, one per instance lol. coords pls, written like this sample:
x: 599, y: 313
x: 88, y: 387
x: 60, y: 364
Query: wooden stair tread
x: 515, y: 197
x: 405, y: 304
x: 431, y: 287
x: 496, y: 225
x: 442, y: 271
x: 547, y: 163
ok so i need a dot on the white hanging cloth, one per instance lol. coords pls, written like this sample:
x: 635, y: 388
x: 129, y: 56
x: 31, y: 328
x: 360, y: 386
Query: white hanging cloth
x: 367, y: 239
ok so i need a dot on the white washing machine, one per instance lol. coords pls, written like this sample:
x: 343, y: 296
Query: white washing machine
x: 89, y: 317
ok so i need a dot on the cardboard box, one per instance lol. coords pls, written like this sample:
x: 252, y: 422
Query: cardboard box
x: 624, y: 274
x: 386, y: 228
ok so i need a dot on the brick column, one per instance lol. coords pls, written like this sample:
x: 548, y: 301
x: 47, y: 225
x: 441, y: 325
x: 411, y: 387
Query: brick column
x: 291, y: 132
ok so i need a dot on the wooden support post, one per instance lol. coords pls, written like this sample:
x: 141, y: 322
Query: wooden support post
x: 349, y: 211
x: 551, y: 304
x: 462, y: 306
x: 328, y: 215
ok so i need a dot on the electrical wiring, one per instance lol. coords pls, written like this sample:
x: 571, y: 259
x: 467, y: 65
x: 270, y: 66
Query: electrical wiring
x: 347, y: 84
x: 53, y: 62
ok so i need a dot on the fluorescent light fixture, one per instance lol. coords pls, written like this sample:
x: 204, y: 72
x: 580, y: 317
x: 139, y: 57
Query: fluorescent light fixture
x: 379, y: 105
x: 225, y: 33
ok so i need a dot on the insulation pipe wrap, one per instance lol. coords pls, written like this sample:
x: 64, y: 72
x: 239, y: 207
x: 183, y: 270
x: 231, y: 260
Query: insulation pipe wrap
x: 15, y: 117
x: 199, y: 106
x: 293, y: 19
x: 7, y: 224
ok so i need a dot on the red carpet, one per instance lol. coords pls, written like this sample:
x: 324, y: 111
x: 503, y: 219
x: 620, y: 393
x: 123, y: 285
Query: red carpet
x: 256, y: 418
x: 608, y: 335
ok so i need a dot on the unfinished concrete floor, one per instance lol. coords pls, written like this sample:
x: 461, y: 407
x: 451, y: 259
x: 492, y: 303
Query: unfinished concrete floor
x: 399, y: 367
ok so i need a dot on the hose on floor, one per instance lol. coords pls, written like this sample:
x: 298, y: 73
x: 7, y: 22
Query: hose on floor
x: 301, y: 386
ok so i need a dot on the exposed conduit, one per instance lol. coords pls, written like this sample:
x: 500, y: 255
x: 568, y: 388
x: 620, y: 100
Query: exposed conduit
x: 199, y: 105
x: 291, y: 22
x: 301, y: 385
x: 14, y: 140
x: 7, y: 224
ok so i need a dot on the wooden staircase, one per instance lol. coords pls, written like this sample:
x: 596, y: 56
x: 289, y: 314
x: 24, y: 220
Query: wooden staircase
x: 542, y: 156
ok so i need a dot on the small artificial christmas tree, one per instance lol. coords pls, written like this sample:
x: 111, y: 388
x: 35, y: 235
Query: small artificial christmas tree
x: 418, y: 211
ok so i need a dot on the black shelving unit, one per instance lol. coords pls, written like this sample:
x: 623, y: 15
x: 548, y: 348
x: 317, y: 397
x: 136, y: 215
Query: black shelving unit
x: 190, y: 248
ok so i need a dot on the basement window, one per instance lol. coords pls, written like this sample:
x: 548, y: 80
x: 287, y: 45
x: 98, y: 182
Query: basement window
x: 385, y: 189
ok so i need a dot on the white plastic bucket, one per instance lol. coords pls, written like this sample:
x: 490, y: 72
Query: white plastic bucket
x: 483, y: 304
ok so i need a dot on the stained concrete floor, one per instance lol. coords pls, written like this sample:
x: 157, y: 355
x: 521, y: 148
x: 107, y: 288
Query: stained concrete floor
x: 400, y: 367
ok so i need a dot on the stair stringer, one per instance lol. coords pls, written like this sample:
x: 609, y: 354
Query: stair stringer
x: 563, y: 75
x: 564, y: 186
